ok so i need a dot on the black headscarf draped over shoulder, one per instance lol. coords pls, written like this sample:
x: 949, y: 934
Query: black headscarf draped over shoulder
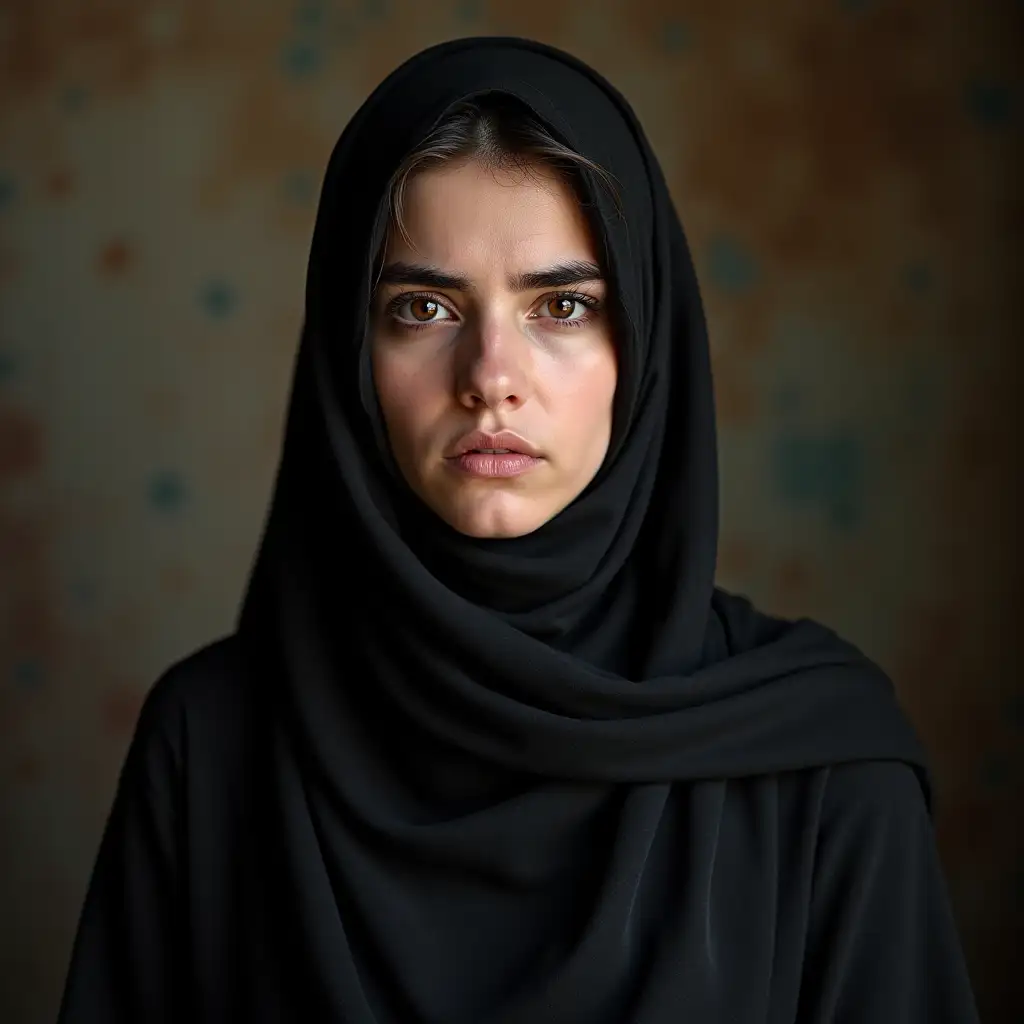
x: 502, y: 764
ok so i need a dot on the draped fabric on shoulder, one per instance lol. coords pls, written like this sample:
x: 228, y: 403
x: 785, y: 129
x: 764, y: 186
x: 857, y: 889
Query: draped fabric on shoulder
x: 596, y: 648
x: 479, y: 755
x: 560, y: 778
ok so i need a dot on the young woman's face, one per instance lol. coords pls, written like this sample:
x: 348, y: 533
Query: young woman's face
x: 494, y: 319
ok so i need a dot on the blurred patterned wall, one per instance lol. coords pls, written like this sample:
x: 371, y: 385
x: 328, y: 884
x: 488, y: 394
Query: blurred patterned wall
x: 850, y: 176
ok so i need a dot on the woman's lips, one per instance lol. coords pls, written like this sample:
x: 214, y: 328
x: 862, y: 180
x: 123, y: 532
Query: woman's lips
x: 494, y: 464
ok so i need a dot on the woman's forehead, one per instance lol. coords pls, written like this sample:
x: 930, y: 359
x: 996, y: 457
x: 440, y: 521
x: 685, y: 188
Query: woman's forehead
x: 468, y: 215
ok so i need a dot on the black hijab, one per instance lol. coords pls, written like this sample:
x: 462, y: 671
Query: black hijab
x: 489, y: 748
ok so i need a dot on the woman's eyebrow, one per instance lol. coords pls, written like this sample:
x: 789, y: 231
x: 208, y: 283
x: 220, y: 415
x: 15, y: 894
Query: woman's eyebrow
x: 558, y: 275
x: 424, y: 274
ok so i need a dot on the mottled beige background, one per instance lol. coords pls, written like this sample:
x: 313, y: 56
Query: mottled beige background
x: 850, y: 176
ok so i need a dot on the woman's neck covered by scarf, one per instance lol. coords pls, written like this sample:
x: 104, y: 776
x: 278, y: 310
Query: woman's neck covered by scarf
x: 596, y: 647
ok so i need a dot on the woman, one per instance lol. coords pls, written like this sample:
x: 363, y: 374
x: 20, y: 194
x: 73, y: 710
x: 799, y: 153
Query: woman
x: 487, y: 744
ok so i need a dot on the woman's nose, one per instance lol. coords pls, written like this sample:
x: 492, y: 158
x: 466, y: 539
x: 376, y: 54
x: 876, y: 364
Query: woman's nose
x: 493, y: 366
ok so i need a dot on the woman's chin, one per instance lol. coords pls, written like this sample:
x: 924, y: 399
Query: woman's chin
x: 495, y: 516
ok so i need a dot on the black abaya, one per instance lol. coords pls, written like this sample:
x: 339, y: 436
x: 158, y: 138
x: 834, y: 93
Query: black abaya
x: 556, y: 779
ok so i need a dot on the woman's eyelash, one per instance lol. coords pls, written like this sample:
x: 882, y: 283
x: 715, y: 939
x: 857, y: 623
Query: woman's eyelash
x: 589, y: 301
x: 406, y: 297
x: 581, y: 297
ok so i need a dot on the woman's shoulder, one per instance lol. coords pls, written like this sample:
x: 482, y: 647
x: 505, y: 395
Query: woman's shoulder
x: 875, y: 790
x: 198, y: 681
x: 201, y: 703
x: 870, y: 806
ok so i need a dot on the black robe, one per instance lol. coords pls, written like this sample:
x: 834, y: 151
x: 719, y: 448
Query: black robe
x: 561, y: 778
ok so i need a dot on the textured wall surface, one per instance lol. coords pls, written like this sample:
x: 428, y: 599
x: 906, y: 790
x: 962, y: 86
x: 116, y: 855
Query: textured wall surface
x: 849, y: 173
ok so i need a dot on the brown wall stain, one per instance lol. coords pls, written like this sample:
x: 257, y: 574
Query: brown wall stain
x: 115, y: 258
x: 21, y: 444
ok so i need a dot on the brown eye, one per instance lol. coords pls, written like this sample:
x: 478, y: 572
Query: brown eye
x: 418, y: 310
x: 423, y: 309
x: 561, y: 307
